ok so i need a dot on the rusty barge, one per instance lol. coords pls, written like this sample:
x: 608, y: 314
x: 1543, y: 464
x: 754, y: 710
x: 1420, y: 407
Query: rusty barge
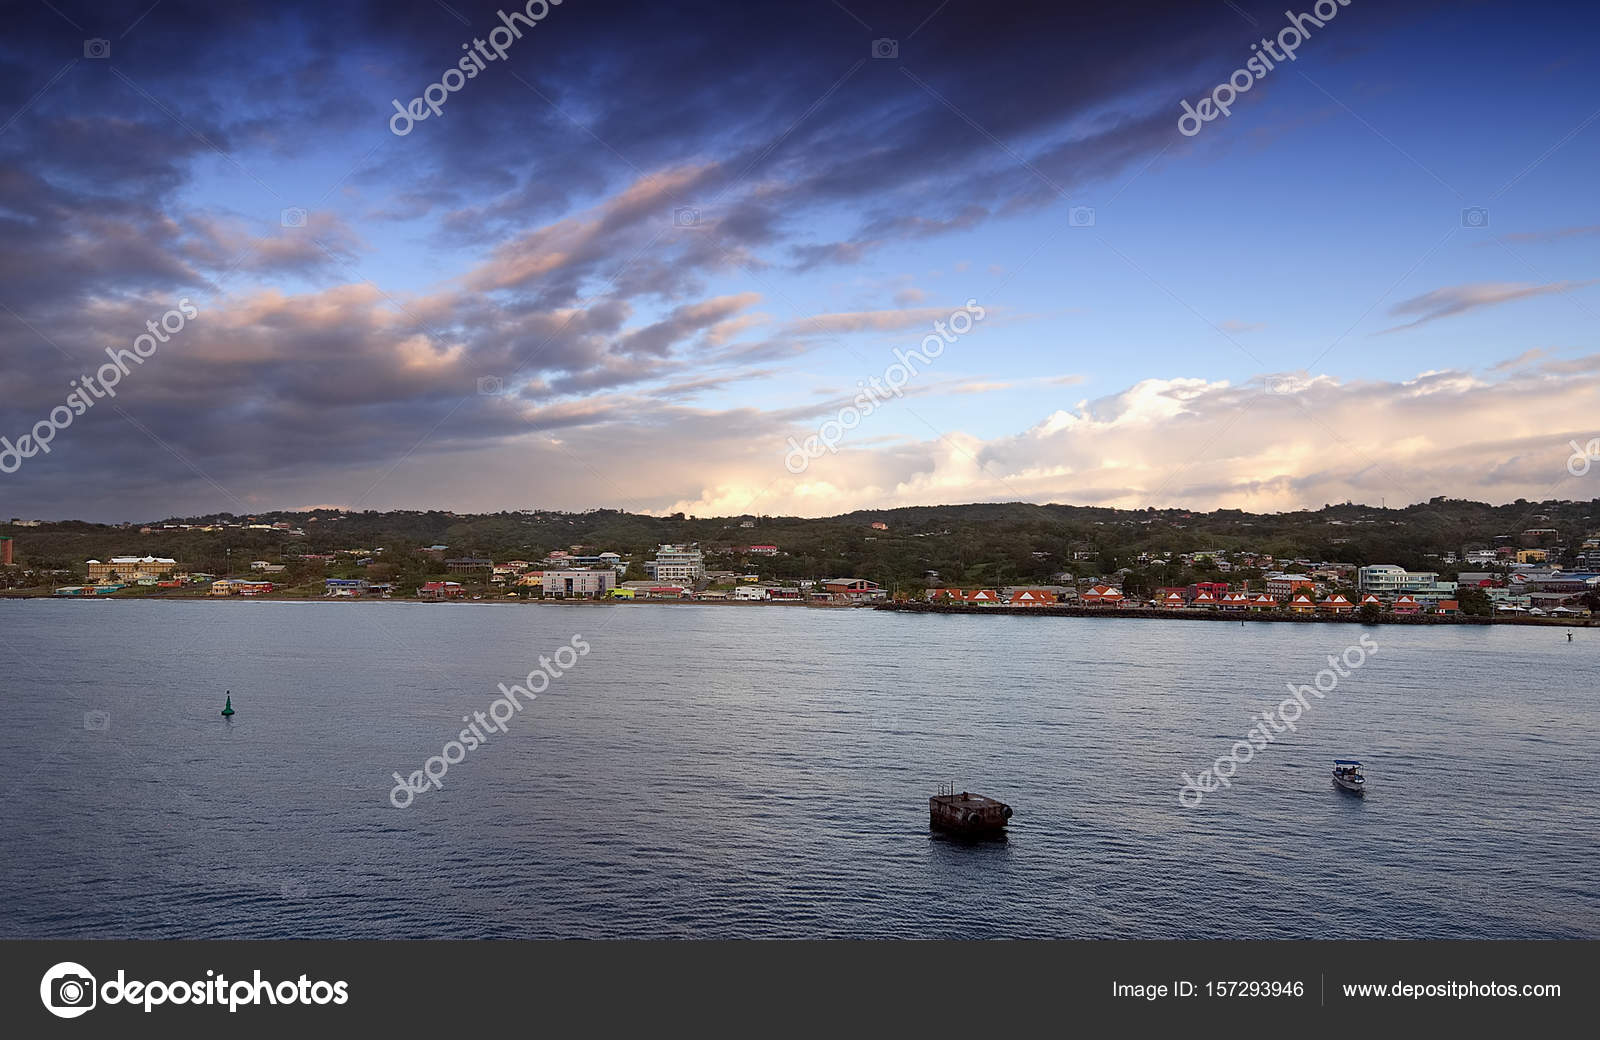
x: 966, y: 813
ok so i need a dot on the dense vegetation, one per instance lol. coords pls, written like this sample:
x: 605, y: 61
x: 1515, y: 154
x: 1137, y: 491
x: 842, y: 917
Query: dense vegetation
x: 987, y: 544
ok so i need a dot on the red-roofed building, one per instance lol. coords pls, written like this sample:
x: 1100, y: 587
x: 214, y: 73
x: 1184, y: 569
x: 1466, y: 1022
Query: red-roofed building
x: 1033, y: 598
x: 1204, y: 599
x: 1262, y: 601
x: 1336, y: 604
x: 1172, y: 601
x: 1217, y: 589
x: 1103, y: 596
x: 439, y: 590
x: 1234, y: 601
x: 1370, y: 600
x: 1407, y: 605
x: 985, y: 598
x: 1448, y: 607
x: 1302, y: 604
x: 947, y: 596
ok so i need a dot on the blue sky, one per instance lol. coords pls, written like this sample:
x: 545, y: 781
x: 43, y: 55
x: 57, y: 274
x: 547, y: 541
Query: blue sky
x: 1286, y: 309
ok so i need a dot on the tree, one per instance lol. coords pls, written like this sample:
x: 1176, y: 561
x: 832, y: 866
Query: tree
x: 1475, y: 602
x: 1369, y: 613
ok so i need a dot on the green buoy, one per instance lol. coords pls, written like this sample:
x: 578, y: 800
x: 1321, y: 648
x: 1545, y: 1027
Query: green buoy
x: 227, y: 709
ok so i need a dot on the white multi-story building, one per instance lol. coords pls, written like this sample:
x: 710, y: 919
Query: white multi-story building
x: 684, y: 563
x: 1388, y: 579
x: 579, y: 584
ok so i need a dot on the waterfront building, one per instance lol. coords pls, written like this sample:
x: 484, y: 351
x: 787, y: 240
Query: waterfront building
x: 129, y: 568
x: 684, y: 563
x: 438, y: 590
x: 579, y: 584
x: 1388, y: 579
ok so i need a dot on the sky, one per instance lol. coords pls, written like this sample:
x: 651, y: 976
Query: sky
x: 794, y: 258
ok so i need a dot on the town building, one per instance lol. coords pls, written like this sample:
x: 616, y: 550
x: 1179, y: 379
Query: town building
x: 1281, y: 585
x: 470, y: 565
x: 579, y: 584
x: 856, y: 590
x: 438, y: 590
x: 1386, y: 579
x: 684, y: 563
x: 1103, y: 596
x: 129, y: 568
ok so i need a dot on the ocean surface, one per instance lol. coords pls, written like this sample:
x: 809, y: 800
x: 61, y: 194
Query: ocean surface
x: 715, y: 771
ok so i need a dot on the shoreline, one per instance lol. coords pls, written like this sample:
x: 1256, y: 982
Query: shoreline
x: 1190, y: 614
x: 1126, y: 613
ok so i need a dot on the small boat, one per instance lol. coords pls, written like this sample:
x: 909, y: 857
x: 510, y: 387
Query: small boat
x: 1347, y: 774
x: 966, y: 813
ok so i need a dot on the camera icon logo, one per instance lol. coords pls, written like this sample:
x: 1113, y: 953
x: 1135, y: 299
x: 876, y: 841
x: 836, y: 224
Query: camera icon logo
x: 97, y: 48
x: 1474, y: 217
x: 68, y: 990
x: 685, y: 216
x: 1080, y: 216
x: 1280, y: 385
x: 293, y: 217
x: 97, y: 720
x: 886, y: 48
x: 491, y: 386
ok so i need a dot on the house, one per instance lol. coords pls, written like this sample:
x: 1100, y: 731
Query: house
x: 947, y: 596
x: 1103, y: 596
x: 1172, y: 601
x: 438, y: 590
x: 1448, y: 607
x: 1302, y: 604
x: 1234, y: 601
x: 879, y: 525
x: 224, y: 587
x: 1407, y: 605
x: 1262, y: 601
x: 345, y: 588
x: 1369, y: 600
x: 762, y: 550
x: 1033, y: 598
x: 252, y: 588
x: 1336, y: 604
x: 854, y: 589
x: 1217, y: 589
x: 470, y: 565
x: 1204, y: 599
x: 985, y: 598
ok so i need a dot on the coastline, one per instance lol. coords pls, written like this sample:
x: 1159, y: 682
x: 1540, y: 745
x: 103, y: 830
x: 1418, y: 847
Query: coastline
x: 1189, y: 614
x: 1125, y: 613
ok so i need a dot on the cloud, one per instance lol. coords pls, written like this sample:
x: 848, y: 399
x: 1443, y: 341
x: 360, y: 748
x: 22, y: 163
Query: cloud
x: 1552, y: 235
x: 868, y: 321
x: 1458, y: 299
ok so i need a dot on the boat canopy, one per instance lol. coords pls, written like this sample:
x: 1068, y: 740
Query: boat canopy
x: 1345, y: 762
